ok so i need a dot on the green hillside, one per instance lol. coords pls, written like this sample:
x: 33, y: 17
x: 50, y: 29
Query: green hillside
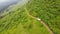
x: 48, y: 11
x: 19, y: 22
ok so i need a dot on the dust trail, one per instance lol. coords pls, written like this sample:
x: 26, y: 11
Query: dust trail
x: 17, y: 5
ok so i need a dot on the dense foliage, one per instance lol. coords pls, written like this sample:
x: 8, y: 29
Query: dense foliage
x: 18, y: 22
x: 48, y: 11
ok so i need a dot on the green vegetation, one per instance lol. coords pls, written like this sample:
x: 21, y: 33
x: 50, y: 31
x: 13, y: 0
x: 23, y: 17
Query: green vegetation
x: 48, y: 11
x: 18, y: 22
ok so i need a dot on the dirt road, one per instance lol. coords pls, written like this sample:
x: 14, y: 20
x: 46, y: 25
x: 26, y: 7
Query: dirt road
x: 43, y: 23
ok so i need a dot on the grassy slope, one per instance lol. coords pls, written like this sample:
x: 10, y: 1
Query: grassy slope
x: 48, y: 11
x: 18, y: 22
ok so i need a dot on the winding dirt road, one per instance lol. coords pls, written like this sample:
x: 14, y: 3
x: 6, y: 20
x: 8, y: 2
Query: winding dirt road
x: 43, y: 23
